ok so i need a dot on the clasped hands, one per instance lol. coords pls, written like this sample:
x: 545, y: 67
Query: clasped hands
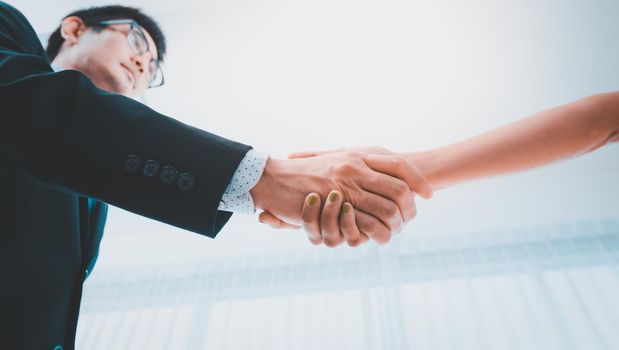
x: 351, y: 195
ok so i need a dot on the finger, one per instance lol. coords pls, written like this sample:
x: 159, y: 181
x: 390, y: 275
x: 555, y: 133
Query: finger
x: 310, y: 216
x: 398, y: 167
x: 329, y: 220
x: 267, y: 218
x: 362, y: 239
x: 394, y: 190
x: 348, y: 225
x: 372, y: 227
x: 383, y: 209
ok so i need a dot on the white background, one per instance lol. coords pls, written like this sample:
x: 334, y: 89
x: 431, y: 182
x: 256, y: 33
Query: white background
x: 290, y: 75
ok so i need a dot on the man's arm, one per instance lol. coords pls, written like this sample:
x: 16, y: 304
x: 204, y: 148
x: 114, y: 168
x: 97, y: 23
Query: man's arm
x: 60, y: 130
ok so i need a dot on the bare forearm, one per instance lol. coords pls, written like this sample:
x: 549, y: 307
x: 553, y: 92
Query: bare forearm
x: 545, y: 137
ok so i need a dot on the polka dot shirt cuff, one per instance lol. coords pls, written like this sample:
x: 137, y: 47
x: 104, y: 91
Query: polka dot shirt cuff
x: 237, y: 198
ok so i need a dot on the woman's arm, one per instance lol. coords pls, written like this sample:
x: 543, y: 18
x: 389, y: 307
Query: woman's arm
x: 562, y: 132
x: 559, y: 133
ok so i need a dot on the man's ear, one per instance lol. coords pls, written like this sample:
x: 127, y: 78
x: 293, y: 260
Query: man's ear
x: 71, y: 29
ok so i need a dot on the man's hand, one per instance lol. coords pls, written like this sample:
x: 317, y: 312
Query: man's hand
x: 376, y: 201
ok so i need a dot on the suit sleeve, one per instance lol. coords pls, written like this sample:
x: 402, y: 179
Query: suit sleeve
x: 60, y: 130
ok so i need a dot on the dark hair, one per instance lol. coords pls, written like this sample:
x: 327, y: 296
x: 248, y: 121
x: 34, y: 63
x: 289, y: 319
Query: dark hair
x: 92, y: 15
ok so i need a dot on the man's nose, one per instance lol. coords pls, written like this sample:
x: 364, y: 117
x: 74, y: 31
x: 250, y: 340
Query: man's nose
x: 141, y: 61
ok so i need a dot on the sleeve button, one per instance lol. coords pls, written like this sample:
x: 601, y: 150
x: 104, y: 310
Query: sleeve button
x: 151, y: 167
x: 133, y: 164
x: 168, y: 174
x: 186, y: 182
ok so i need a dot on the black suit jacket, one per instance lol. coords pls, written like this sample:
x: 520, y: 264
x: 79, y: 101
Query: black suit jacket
x: 62, y: 140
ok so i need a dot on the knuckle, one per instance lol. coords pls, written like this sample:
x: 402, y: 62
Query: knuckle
x: 329, y: 232
x: 327, y: 218
x: 401, y: 188
x: 399, y: 228
x: 328, y: 236
x: 346, y: 167
x: 375, y: 177
x: 315, y: 241
x: 308, y: 216
x: 396, y: 222
x: 383, y: 239
x: 353, y: 243
x: 369, y: 226
x: 346, y: 232
x: 407, y: 213
x: 401, y: 161
x: 313, y: 232
x: 398, y: 163
x: 332, y: 243
x: 392, y: 211
x: 386, y: 240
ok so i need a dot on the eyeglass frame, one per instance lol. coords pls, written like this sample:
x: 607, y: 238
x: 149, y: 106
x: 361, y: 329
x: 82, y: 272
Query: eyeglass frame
x: 135, y: 25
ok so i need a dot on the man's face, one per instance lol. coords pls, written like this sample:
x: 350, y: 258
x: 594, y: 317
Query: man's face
x: 108, y: 59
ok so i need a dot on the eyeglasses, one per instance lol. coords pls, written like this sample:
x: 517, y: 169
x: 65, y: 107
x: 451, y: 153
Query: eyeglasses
x: 139, y: 45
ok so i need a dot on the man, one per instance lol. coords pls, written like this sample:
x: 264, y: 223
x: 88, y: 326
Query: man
x: 71, y: 142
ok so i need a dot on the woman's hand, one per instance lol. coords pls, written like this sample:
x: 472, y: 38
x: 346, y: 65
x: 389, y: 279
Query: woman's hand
x: 331, y: 222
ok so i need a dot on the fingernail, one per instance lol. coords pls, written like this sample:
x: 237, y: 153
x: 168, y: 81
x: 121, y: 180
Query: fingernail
x: 346, y: 207
x: 333, y: 196
x: 312, y: 200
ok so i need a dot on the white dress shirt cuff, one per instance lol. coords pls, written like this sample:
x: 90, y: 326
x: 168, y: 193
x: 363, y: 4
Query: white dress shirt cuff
x: 237, y: 197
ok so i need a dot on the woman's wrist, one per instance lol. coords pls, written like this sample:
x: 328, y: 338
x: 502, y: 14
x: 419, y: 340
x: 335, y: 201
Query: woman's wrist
x: 429, y: 164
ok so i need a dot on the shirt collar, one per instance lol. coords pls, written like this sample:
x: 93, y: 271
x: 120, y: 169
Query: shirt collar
x: 56, y: 67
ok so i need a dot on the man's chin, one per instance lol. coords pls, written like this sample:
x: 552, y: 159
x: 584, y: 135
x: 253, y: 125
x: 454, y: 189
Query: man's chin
x: 115, y: 86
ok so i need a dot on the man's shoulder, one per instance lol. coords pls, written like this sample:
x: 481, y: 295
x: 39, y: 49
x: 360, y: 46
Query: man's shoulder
x: 11, y: 14
x: 16, y: 32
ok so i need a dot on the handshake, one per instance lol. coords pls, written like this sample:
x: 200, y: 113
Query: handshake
x: 368, y: 193
x: 350, y: 195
